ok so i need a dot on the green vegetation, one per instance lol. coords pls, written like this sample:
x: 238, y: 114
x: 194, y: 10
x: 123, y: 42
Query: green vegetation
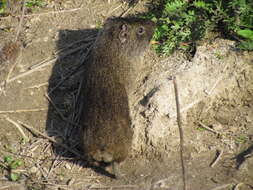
x: 2, y: 6
x: 11, y: 164
x: 201, y: 129
x: 241, y: 139
x: 34, y: 4
x: 30, y: 4
x: 181, y: 23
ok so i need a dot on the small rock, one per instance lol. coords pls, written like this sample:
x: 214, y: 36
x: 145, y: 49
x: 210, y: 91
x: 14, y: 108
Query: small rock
x: 248, y: 119
x: 33, y: 169
x: 45, y: 39
x: 217, y: 126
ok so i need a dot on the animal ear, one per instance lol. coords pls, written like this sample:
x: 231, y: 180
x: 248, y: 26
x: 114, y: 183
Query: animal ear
x: 123, y: 34
x: 109, y: 23
x: 110, y: 20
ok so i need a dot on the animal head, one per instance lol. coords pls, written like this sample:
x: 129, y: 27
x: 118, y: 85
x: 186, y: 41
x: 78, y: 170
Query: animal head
x: 128, y: 36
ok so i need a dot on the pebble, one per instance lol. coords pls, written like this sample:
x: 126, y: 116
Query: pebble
x: 33, y: 169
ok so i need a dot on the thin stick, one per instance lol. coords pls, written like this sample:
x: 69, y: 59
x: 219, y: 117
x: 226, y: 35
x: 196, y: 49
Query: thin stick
x: 187, y: 107
x: 30, y: 71
x: 21, y: 20
x: 237, y: 186
x: 125, y: 12
x: 55, y: 12
x: 221, y: 187
x: 51, y: 139
x: 47, y: 13
x: 72, y: 72
x: 76, y: 42
x: 43, y: 65
x: 40, y: 63
x: 115, y: 9
x: 4, y: 165
x: 52, y: 167
x: 209, y: 92
x: 55, y: 107
x: 38, y: 85
x: 13, y: 67
x: 208, y: 128
x: 217, y: 159
x: 24, y: 110
x: 57, y: 57
x: 42, y: 170
x: 18, y: 127
x: 116, y: 186
x: 40, y: 159
x: 179, y: 122
x: 8, y: 186
x: 58, y: 111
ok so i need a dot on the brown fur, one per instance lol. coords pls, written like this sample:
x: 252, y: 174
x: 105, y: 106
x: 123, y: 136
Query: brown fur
x: 107, y: 133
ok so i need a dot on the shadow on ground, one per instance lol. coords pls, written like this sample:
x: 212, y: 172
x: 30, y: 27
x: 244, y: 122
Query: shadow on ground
x: 63, y: 92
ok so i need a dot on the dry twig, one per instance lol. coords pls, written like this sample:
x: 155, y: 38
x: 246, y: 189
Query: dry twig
x: 8, y: 186
x: 18, y: 127
x: 21, y: 21
x: 129, y: 8
x: 58, y: 111
x: 52, y: 166
x: 207, y: 128
x: 30, y: 71
x: 209, y: 92
x: 110, y: 12
x: 12, y: 68
x: 38, y: 85
x: 46, y: 61
x: 179, y: 122
x: 51, y: 139
x: 43, y: 64
x: 187, y: 107
x: 47, y: 13
x: 221, y: 187
x: 54, y: 12
x: 72, y: 72
x: 38, y: 158
x: 112, y: 187
x: 217, y: 159
x: 88, y: 40
x: 24, y: 110
x: 237, y: 186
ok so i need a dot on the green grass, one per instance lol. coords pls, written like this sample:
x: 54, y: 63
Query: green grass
x: 181, y: 24
x: 30, y: 4
x: 12, y: 164
x: 241, y: 139
x: 2, y: 6
x: 34, y: 4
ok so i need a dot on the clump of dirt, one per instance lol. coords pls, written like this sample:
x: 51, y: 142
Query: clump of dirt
x: 216, y: 99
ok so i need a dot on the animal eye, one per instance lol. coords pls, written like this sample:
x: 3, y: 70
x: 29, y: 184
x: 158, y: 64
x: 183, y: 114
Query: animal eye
x: 141, y: 30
